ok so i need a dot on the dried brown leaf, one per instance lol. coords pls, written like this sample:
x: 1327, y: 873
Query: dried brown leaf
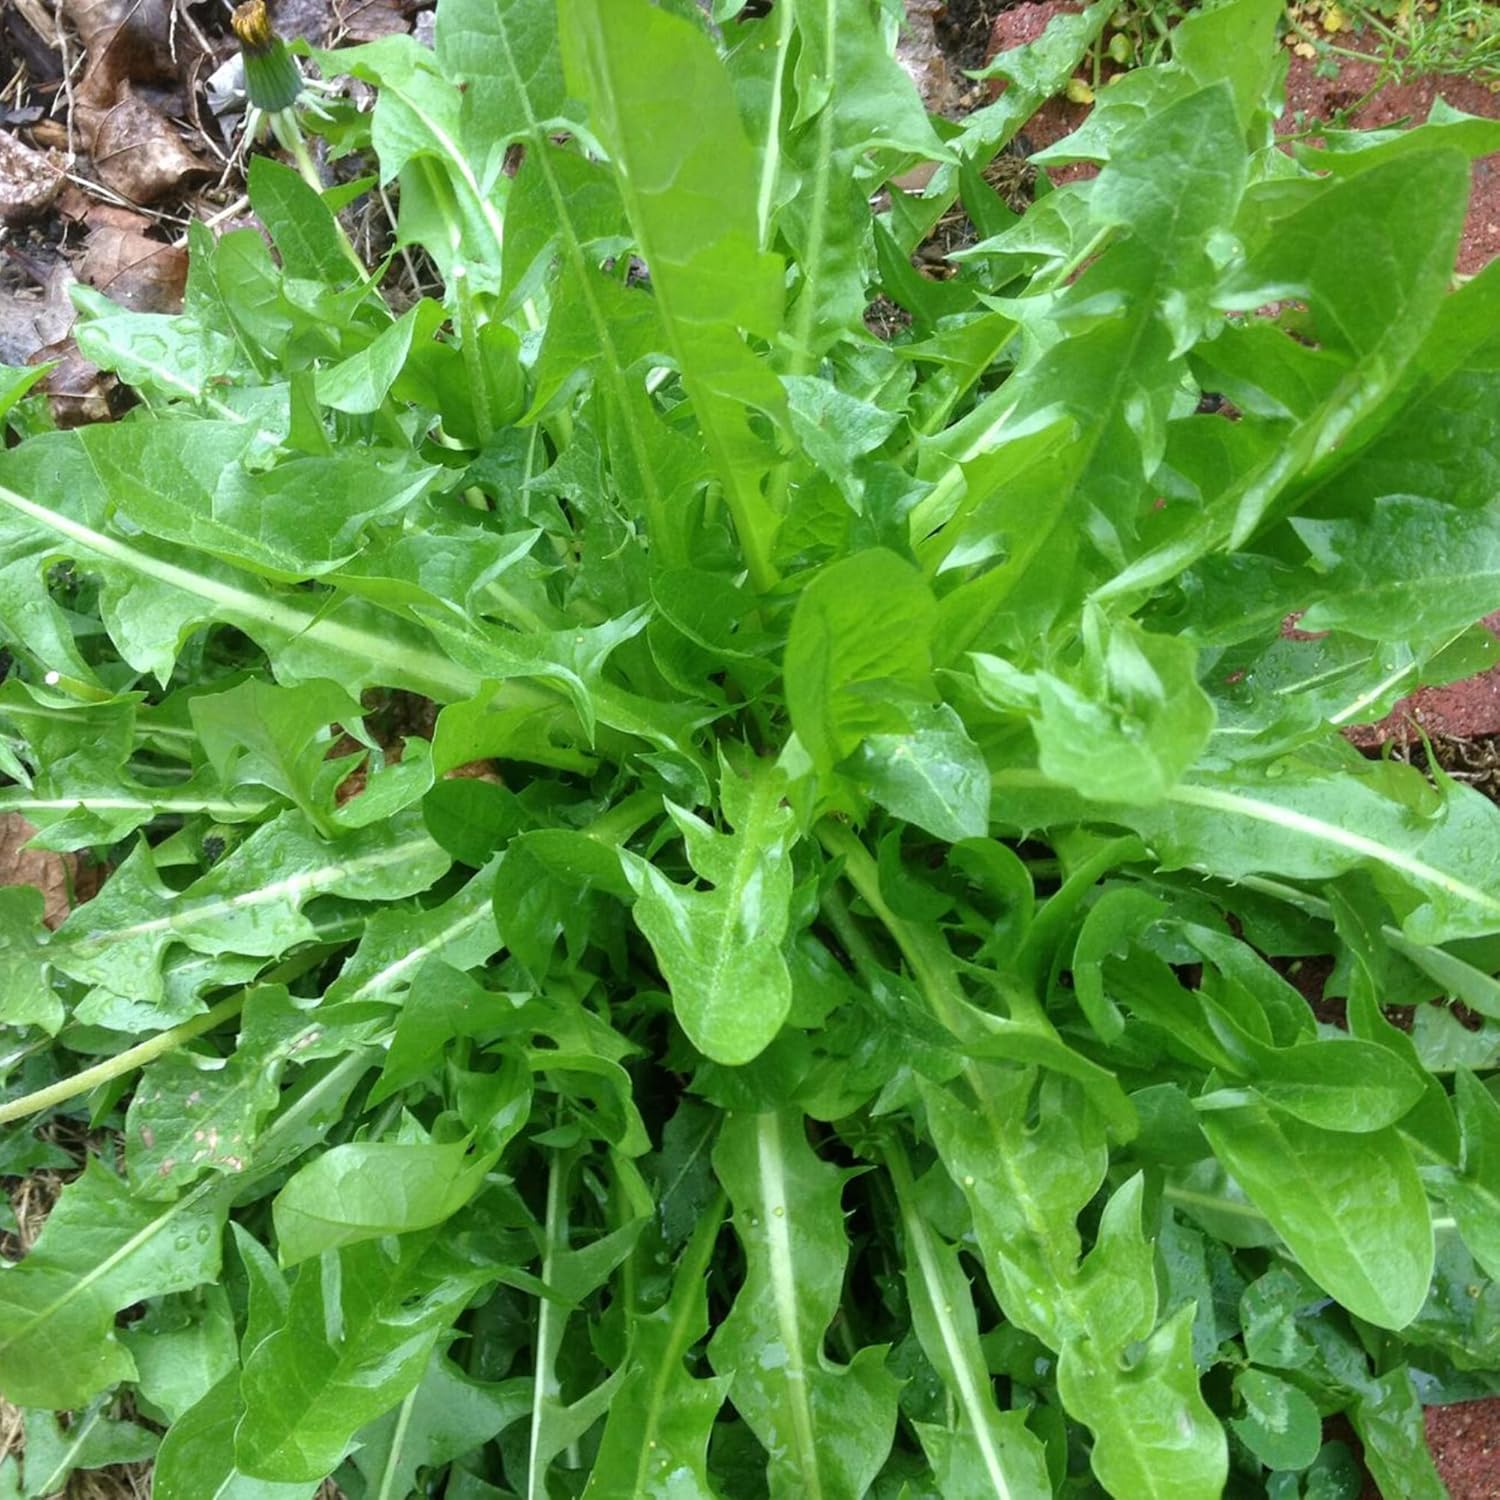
x: 139, y: 273
x: 312, y: 19
x: 29, y: 180
x: 369, y: 20
x: 50, y: 873
x: 35, y: 330
x: 126, y: 39
x: 31, y: 323
x: 138, y: 155
x: 78, y: 392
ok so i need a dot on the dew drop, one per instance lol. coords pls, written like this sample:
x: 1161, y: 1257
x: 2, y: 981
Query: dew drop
x: 779, y: 1211
x: 183, y: 1242
x: 205, y: 1234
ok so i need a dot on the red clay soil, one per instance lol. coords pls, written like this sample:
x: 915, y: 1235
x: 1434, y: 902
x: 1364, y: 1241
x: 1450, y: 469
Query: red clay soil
x: 1460, y: 709
x: 1465, y: 1443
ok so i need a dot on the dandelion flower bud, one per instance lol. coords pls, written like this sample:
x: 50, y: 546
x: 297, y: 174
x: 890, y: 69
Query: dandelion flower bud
x: 272, y: 80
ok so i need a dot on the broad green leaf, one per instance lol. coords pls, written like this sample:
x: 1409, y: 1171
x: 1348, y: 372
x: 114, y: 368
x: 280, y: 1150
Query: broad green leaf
x: 1348, y: 1085
x: 447, y: 1416
x: 1303, y: 822
x: 720, y: 950
x: 192, y: 1114
x: 690, y: 199
x: 1024, y: 1189
x: 1413, y: 568
x: 995, y: 1447
x: 1112, y: 923
x: 26, y: 997
x: 196, y: 1457
x: 363, y: 380
x: 1473, y: 1192
x: 153, y: 596
x: 1350, y: 1207
x: 1344, y: 151
x: 356, y: 1338
x: 365, y: 1190
x: 850, y: 96
x: 178, y: 358
x: 1234, y: 42
x: 933, y: 775
x: 277, y: 737
x: 1162, y: 1440
x: 1033, y: 74
x: 826, y: 1428
x: 396, y: 941
x: 300, y: 223
x: 1388, y: 1419
x: 507, y: 59
x: 1178, y: 177
x: 91, y: 1441
x: 1130, y: 723
x: 1315, y: 252
x: 297, y: 520
x: 182, y: 1352
x: 250, y: 902
x: 1153, y: 1432
x: 441, y: 1004
x: 860, y: 641
x: 15, y: 381
x: 1280, y: 1425
x: 100, y: 1251
x: 656, y: 1438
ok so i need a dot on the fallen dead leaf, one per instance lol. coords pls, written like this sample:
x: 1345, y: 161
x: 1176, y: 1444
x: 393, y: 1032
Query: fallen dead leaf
x: 78, y: 392
x: 138, y: 155
x: 52, y: 874
x: 52, y: 134
x: 29, y: 180
x: 137, y: 272
x: 369, y: 20
x: 34, y: 321
x: 125, y: 39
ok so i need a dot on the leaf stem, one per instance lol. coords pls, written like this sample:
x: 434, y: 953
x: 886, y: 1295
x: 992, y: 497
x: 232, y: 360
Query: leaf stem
x: 468, y: 328
x: 123, y: 1062
x: 622, y: 820
x: 288, y: 132
x: 153, y: 1047
x: 968, y: 1373
x: 545, y: 1386
x: 929, y: 960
